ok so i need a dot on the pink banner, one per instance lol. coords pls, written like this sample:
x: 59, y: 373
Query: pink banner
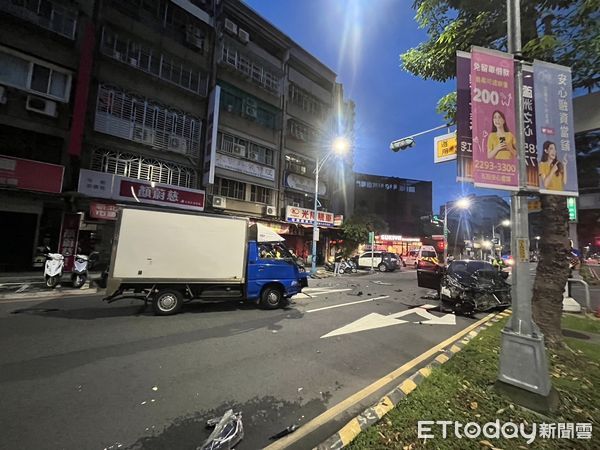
x: 103, y: 211
x: 494, y: 127
x: 69, y: 236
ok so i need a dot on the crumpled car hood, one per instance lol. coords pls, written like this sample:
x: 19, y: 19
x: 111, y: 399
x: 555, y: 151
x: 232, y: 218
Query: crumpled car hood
x: 481, y: 280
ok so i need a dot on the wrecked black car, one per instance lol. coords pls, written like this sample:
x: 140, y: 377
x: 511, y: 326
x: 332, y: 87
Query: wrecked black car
x: 466, y: 286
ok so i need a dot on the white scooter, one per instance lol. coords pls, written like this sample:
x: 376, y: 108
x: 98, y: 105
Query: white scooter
x: 53, y: 269
x: 80, y: 271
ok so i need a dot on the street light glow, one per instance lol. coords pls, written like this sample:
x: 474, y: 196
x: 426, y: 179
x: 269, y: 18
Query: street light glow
x: 463, y: 203
x: 505, y: 223
x: 340, y: 145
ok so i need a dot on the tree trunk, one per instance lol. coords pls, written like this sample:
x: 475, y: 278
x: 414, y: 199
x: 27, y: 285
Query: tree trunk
x: 552, y: 270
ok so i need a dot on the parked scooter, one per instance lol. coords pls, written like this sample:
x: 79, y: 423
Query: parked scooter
x: 53, y: 268
x: 80, y: 271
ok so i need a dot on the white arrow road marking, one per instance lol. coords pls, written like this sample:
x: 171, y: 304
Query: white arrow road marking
x: 375, y: 320
x: 369, y: 322
x: 314, y: 292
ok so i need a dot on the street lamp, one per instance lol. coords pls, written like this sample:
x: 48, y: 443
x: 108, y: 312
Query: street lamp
x: 339, y: 146
x: 504, y: 223
x: 462, y: 203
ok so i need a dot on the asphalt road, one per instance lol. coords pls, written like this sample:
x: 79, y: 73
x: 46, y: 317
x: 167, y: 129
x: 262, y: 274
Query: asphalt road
x: 76, y: 373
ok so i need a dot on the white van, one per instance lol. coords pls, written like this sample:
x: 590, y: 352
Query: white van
x: 414, y: 256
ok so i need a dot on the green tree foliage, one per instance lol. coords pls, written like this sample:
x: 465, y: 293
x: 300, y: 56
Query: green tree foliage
x: 356, y: 229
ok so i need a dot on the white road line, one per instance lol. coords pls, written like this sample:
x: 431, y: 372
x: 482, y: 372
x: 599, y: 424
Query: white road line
x: 324, y: 290
x: 348, y: 304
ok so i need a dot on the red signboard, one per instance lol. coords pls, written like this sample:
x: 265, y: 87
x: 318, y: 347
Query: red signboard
x: 145, y: 193
x: 69, y: 234
x: 103, y: 211
x: 30, y: 175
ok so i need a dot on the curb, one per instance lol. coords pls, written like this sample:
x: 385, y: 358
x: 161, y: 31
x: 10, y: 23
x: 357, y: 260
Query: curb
x: 374, y: 413
x: 50, y: 294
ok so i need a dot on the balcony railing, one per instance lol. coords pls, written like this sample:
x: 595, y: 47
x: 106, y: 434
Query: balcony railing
x: 153, y: 62
x: 250, y: 67
x: 45, y: 14
x: 141, y: 120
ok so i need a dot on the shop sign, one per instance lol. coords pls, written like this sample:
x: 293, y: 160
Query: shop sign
x: 302, y: 215
x: 246, y: 167
x: 103, y: 211
x: 69, y: 234
x: 338, y: 220
x: 31, y: 175
x: 572, y: 207
x: 389, y: 237
x: 304, y: 184
x: 105, y: 185
x: 444, y: 148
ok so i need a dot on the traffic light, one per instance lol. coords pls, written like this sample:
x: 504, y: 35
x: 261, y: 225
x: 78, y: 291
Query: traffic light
x: 402, y: 144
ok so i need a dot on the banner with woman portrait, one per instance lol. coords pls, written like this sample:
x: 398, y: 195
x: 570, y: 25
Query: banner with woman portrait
x: 555, y: 129
x: 493, y: 119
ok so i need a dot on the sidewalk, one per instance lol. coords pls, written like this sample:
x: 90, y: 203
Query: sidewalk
x: 20, y: 285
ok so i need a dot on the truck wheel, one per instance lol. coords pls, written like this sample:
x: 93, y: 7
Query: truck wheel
x: 272, y: 298
x: 167, y: 302
x: 382, y: 267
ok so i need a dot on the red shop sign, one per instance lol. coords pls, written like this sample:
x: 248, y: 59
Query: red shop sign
x: 30, y: 175
x: 103, y: 211
x: 69, y: 235
x: 161, y: 195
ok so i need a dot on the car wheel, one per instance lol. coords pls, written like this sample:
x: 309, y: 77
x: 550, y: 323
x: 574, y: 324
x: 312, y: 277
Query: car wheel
x: 167, y: 302
x: 272, y: 298
x: 382, y: 267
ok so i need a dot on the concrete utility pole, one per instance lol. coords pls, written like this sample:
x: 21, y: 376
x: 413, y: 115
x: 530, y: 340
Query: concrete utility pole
x: 523, y: 373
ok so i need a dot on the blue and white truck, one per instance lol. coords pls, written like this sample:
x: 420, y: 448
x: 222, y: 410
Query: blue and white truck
x: 173, y: 258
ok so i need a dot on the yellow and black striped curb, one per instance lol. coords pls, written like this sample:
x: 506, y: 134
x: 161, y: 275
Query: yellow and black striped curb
x: 373, y: 414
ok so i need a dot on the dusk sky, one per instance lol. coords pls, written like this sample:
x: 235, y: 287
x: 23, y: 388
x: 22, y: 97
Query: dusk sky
x: 361, y: 41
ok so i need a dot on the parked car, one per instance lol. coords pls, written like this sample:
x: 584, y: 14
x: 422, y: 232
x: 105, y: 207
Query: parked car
x: 414, y: 256
x: 466, y: 286
x: 382, y: 261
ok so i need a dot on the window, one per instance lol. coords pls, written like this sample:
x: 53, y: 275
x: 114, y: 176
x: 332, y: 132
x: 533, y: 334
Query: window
x: 302, y: 132
x: 306, y: 101
x: 153, y: 62
x: 142, y: 168
x: 297, y: 164
x: 142, y: 120
x: 260, y: 194
x: 240, y: 147
x: 238, y: 102
x: 245, y: 64
x: 19, y: 71
x: 45, y: 14
x: 230, y: 188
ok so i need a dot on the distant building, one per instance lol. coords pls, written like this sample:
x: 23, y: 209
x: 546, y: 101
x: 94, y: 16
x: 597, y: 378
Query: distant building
x: 399, y: 201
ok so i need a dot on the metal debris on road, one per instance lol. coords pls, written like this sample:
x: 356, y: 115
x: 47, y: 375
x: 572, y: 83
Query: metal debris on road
x: 285, y: 432
x: 155, y: 388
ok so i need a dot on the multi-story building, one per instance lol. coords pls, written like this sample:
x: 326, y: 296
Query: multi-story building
x: 400, y: 202
x: 119, y: 96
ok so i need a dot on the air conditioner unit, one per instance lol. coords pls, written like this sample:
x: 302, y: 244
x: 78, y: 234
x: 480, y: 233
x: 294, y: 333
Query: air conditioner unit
x: 296, y: 204
x: 41, y: 106
x: 177, y: 144
x: 250, y: 108
x: 239, y: 150
x: 270, y: 211
x: 219, y: 202
x: 2, y: 95
x: 253, y: 156
x: 243, y: 36
x: 230, y: 26
x: 194, y: 36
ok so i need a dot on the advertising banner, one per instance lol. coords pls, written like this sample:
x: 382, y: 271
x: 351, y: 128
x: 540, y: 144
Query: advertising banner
x: 106, y: 185
x: 533, y: 178
x: 30, y: 175
x: 464, y: 157
x: 444, y: 148
x: 69, y: 235
x: 555, y: 129
x: 493, y: 112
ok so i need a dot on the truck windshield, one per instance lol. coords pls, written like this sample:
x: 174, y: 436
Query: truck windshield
x: 274, y: 250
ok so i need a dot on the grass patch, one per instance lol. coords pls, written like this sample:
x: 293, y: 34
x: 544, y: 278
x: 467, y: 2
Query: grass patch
x: 582, y: 323
x: 462, y: 390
